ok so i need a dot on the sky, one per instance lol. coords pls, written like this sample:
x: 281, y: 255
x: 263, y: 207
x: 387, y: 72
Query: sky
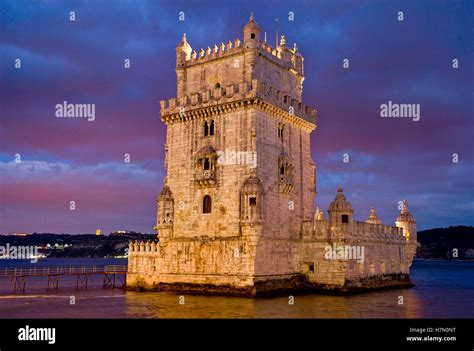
x: 82, y: 61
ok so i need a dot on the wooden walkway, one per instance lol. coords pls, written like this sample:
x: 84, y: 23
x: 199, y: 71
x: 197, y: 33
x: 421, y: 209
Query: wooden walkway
x: 114, y: 276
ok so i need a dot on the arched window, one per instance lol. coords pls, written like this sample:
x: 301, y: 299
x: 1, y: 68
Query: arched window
x: 252, y: 36
x: 206, y: 164
x: 282, y: 169
x: 211, y: 128
x: 207, y: 204
x: 206, y: 129
x: 345, y: 218
x: 280, y: 132
x: 217, y: 85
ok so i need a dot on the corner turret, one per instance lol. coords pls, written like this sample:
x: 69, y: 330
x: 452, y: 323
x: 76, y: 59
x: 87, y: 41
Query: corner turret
x: 406, y: 221
x: 340, y: 211
x: 183, y: 52
x: 251, y: 33
x: 373, y: 219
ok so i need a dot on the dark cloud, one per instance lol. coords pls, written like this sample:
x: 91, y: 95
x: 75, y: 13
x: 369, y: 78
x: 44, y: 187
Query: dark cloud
x: 82, y: 62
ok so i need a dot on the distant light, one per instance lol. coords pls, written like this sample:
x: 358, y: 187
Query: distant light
x: 19, y: 234
x: 97, y: 232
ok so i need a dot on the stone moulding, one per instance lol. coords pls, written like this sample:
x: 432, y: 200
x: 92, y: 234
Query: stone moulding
x: 260, y: 94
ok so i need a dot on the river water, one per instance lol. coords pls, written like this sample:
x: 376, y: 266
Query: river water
x: 444, y: 289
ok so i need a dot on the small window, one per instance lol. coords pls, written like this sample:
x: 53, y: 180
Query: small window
x: 217, y: 85
x: 211, y: 128
x: 282, y: 169
x: 207, y: 204
x: 345, y: 218
x: 280, y: 132
x: 311, y: 267
x: 252, y: 201
x: 206, y: 129
x: 207, y: 165
x: 252, y: 36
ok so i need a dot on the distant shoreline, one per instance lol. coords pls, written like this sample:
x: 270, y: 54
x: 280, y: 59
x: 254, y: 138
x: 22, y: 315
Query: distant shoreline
x: 455, y: 243
x: 444, y: 259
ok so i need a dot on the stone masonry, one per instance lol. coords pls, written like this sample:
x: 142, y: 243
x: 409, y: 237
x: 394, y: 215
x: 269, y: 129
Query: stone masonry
x: 236, y: 214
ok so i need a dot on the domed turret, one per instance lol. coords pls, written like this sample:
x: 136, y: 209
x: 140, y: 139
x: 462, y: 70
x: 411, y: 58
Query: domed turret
x: 165, y: 194
x: 340, y: 210
x: 406, y: 221
x: 319, y: 215
x: 165, y: 213
x: 373, y: 219
x: 340, y: 203
x: 251, y: 33
x: 183, y: 51
x: 405, y: 215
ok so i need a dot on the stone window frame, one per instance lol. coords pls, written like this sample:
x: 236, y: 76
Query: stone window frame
x: 207, y: 204
x: 281, y: 128
x: 209, y: 128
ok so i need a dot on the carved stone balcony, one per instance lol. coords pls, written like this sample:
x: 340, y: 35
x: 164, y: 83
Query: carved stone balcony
x: 286, y: 184
x: 206, y: 178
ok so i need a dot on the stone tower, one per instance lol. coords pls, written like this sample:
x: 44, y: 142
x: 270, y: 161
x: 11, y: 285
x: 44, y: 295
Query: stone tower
x: 235, y: 213
x: 239, y: 172
x: 407, y: 222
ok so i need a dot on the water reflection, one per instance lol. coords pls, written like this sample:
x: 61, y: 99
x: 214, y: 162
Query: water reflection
x: 443, y: 290
x: 383, y: 304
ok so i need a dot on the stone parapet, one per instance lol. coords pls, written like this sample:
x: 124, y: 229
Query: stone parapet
x: 285, y: 57
x: 232, y: 97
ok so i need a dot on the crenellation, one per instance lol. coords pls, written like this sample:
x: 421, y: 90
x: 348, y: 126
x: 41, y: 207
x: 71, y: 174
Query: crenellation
x: 239, y: 92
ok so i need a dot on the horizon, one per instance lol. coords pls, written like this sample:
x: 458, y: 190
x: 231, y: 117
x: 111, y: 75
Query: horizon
x: 131, y: 232
x: 391, y: 159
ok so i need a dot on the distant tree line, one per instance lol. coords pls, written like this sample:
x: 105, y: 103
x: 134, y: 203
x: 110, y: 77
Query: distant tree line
x: 446, y: 243
x: 80, y: 245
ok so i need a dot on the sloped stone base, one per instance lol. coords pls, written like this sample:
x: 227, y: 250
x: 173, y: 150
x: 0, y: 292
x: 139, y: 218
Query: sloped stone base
x: 296, y: 284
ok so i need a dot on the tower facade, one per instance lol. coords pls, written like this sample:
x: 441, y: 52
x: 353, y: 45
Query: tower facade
x: 235, y: 213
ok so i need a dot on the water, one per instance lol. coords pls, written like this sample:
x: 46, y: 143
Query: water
x: 443, y: 290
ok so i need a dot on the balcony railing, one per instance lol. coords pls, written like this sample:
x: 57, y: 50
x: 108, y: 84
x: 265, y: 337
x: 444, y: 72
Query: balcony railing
x: 206, y: 178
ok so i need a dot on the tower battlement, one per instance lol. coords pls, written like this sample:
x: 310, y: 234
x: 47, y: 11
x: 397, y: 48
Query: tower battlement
x: 286, y: 57
x: 358, y: 230
x: 236, y: 63
x: 208, y: 103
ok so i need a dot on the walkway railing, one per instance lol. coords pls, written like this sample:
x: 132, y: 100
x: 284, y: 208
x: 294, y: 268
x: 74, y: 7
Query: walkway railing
x: 112, y: 274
